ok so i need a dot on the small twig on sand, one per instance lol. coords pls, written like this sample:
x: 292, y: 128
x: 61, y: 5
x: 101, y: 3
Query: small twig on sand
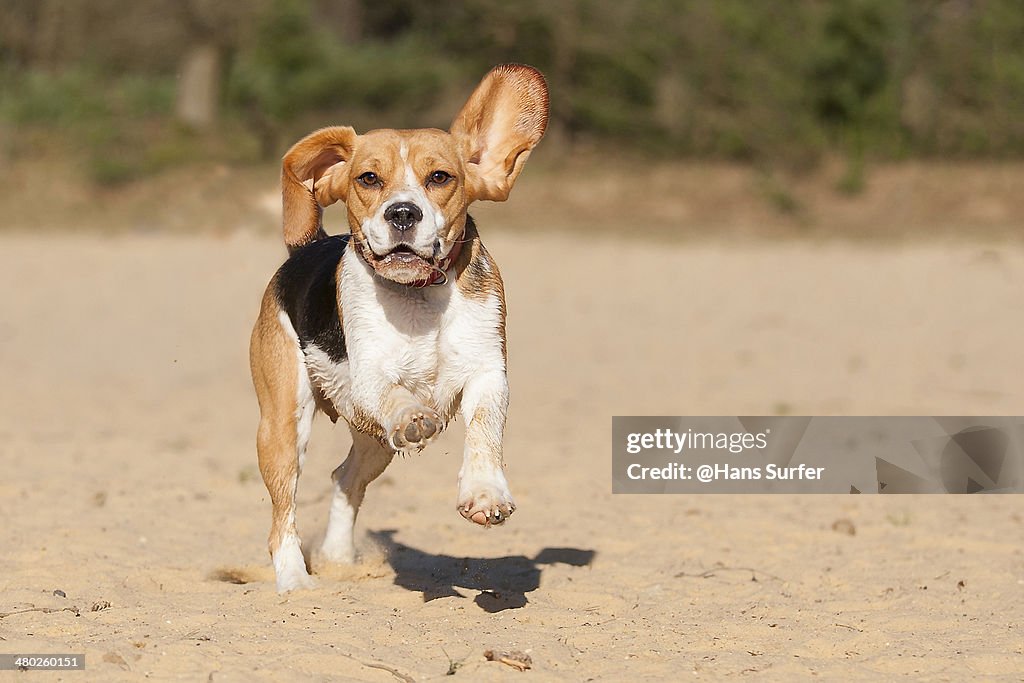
x: 383, y: 667
x: 852, y: 628
x: 44, y: 610
x: 453, y: 666
x: 711, y: 572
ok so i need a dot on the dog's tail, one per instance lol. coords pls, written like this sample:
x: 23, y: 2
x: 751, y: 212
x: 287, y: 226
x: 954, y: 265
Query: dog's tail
x: 313, y: 175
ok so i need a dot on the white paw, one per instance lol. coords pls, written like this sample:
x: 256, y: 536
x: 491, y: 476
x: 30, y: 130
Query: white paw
x: 485, y: 500
x: 295, y: 581
x: 414, y: 428
x: 290, y: 567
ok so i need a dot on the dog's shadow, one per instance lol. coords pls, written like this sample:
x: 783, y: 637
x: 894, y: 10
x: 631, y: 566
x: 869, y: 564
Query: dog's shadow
x: 502, y: 582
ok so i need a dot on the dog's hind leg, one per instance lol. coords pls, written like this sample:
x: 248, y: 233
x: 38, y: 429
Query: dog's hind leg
x: 366, y: 460
x: 286, y: 416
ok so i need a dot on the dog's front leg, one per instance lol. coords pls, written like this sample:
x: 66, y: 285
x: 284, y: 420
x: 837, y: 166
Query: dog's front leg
x: 484, y: 497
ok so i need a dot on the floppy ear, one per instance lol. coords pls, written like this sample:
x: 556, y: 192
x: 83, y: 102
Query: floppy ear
x: 499, y: 126
x: 321, y: 157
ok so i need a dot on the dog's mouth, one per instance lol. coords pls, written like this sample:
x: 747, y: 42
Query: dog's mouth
x: 404, y: 254
x: 402, y: 264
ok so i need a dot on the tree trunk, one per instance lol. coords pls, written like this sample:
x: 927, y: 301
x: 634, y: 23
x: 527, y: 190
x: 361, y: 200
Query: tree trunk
x: 199, y: 87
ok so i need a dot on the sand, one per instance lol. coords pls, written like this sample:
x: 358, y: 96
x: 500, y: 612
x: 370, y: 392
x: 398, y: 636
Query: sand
x: 130, y: 484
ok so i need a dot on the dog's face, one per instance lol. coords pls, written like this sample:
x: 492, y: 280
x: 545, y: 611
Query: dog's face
x: 406, y: 200
x: 407, y: 191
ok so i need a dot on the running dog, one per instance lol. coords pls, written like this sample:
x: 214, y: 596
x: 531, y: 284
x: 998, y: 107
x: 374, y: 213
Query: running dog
x: 399, y: 326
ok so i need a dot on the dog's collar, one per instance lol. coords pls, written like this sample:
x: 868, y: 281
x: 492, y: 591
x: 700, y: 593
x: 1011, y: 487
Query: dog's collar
x: 439, y: 276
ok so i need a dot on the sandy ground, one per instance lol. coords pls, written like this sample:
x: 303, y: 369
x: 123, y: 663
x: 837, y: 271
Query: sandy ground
x: 129, y: 479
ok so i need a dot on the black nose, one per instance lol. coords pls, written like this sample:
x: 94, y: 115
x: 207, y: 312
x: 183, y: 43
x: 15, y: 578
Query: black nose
x: 403, y: 215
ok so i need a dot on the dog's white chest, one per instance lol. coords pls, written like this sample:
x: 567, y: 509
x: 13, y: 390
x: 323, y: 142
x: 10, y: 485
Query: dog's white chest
x: 393, y: 336
x: 429, y: 341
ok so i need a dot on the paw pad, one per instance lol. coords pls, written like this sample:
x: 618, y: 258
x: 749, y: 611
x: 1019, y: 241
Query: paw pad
x: 415, y: 430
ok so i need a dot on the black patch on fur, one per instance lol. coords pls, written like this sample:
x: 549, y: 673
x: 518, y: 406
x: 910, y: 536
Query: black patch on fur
x: 307, y: 290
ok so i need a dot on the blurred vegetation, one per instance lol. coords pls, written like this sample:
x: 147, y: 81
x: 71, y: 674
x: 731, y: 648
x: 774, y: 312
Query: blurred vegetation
x: 134, y: 88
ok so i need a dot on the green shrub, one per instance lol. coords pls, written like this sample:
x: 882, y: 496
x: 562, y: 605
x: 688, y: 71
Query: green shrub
x: 775, y: 83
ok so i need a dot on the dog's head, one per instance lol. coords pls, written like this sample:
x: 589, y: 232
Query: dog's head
x: 407, y: 191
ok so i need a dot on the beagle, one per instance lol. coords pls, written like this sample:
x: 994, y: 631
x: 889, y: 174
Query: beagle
x: 398, y: 326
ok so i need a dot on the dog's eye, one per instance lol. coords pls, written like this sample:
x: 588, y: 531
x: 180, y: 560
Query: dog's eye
x: 440, y: 177
x: 369, y: 179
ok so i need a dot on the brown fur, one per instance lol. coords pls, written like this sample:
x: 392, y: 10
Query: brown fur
x: 512, y: 98
x: 309, y: 159
x: 275, y: 372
